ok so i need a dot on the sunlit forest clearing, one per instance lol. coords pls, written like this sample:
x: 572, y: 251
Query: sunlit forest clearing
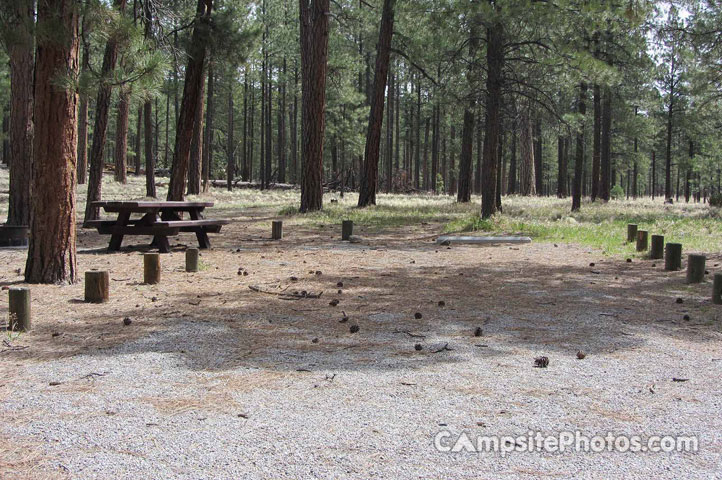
x: 392, y: 239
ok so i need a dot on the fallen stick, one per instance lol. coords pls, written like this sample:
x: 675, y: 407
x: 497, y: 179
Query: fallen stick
x: 283, y: 293
x: 412, y: 335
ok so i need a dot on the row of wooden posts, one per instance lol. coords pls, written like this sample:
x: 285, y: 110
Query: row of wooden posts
x: 672, y: 253
x: 97, y: 283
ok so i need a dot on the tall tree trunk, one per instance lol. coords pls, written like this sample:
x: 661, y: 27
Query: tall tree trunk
x: 83, y: 109
x: 452, y: 161
x: 606, y: 140
x: 19, y: 44
x: 390, y: 131
x: 417, y: 158
x: 208, y: 133
x: 426, y: 154
x: 138, y: 140
x: 538, y: 162
x: 467, y: 141
x: 51, y: 254
x: 192, y: 89
x: 479, y: 153
x: 512, y: 163
x: 561, y: 167
x: 653, y: 181
x: 121, y: 137
x: 268, y: 122
x: 244, y: 158
x: 196, y: 162
x: 597, y: 141
x: 282, y: 125
x: 150, y: 190
x: 435, y: 145
x: 579, y: 159
x: 527, y: 185
x: 314, y: 54
x: 230, y: 149
x: 370, y: 172
x: 494, y: 87
x: 294, y: 126
x: 102, y: 105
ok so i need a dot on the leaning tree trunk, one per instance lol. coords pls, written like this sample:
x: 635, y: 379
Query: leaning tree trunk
x: 314, y: 54
x: 102, y: 106
x: 192, y: 89
x: 20, y: 51
x: 494, y: 86
x: 51, y: 254
x: 526, y: 146
x: 579, y: 159
x: 121, y: 136
x: 370, y: 172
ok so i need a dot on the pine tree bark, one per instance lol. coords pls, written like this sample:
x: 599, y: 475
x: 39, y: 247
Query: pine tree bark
x: 370, y: 171
x: 150, y: 157
x: 494, y: 87
x: 538, y: 160
x: 208, y: 132
x: 314, y: 54
x: 192, y: 89
x: 579, y: 159
x: 137, y: 160
x: 51, y: 254
x: 83, y: 109
x: 102, y: 106
x: 230, y: 150
x: 606, y: 140
x: 19, y: 44
x: 282, y: 125
x: 467, y: 141
x: 194, y: 169
x: 527, y: 185
x: 121, y: 137
x: 513, y: 162
x: 561, y: 167
x: 597, y: 141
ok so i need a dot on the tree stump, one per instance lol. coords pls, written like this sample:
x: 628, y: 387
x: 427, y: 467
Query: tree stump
x: 657, y: 250
x: 673, y: 256
x: 695, y: 268
x: 97, y: 287
x: 277, y: 230
x: 717, y: 289
x: 19, y: 309
x: 631, y: 233
x: 346, y: 230
x: 192, y: 255
x: 151, y: 268
x: 642, y: 240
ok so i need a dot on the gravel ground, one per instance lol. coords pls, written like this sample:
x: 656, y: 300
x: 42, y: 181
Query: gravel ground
x: 213, y: 380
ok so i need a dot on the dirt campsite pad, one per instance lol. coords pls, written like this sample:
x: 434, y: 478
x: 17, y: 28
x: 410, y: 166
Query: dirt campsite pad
x: 249, y: 368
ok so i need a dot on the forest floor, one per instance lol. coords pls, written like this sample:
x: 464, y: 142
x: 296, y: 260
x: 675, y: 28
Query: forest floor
x: 213, y: 379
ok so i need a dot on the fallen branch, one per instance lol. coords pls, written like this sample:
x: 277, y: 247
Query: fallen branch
x: 284, y: 295
x: 410, y: 334
x: 445, y: 348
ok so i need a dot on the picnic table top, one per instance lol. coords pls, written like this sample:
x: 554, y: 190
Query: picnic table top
x: 151, y: 204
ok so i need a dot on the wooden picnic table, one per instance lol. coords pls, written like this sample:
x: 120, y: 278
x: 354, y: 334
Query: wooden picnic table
x: 158, y: 219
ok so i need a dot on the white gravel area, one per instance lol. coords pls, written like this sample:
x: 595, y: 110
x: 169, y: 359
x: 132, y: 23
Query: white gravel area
x: 246, y: 393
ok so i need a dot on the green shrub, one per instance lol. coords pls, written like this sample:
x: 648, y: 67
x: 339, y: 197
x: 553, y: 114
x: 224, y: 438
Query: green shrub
x: 617, y: 192
x: 715, y: 200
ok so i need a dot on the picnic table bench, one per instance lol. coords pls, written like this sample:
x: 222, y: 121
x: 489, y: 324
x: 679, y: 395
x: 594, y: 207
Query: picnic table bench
x: 158, y: 219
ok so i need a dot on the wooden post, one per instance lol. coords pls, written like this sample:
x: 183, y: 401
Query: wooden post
x: 717, y: 289
x: 192, y: 260
x: 97, y: 287
x: 642, y: 240
x: 657, y: 250
x: 19, y: 309
x: 631, y: 233
x: 277, y: 230
x: 346, y: 230
x: 151, y: 268
x: 695, y: 268
x: 673, y: 256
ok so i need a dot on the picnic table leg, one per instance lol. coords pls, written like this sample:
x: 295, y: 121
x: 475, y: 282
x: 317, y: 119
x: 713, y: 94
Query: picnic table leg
x: 201, y: 234
x: 117, y: 238
x: 161, y: 241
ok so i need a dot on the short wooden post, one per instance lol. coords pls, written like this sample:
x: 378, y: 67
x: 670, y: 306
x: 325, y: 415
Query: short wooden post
x: 695, y: 268
x: 717, y: 289
x: 277, y: 230
x: 192, y: 260
x: 97, y: 287
x: 631, y: 233
x: 346, y: 230
x: 657, y: 250
x: 673, y: 256
x: 151, y: 268
x: 642, y: 240
x: 19, y: 309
